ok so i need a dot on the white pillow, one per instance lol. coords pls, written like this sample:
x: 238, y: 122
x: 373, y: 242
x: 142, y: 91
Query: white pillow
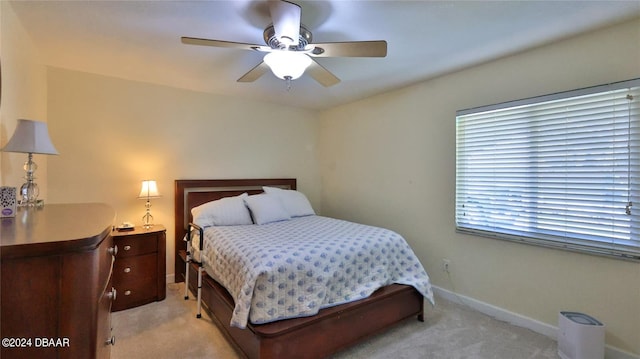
x: 266, y: 208
x: 296, y: 203
x: 227, y: 211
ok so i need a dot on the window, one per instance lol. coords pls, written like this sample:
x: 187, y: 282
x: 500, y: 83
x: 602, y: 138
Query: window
x: 560, y: 170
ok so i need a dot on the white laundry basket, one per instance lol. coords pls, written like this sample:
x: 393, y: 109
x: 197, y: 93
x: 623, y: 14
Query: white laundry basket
x: 580, y: 336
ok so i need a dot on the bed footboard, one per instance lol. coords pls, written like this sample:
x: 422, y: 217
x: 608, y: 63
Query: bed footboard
x: 318, y: 336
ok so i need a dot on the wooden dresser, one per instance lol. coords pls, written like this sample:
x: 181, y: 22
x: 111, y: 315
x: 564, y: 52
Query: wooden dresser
x: 55, y: 282
x: 139, y: 274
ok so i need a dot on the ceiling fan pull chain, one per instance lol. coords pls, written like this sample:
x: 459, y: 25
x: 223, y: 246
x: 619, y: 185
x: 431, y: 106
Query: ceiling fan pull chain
x: 287, y: 79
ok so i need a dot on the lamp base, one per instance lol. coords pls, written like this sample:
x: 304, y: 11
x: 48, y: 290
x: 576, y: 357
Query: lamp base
x: 39, y: 203
x: 29, y: 193
x: 147, y: 219
x: 29, y: 190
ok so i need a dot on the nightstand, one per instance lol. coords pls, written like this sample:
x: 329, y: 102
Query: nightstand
x: 139, y: 273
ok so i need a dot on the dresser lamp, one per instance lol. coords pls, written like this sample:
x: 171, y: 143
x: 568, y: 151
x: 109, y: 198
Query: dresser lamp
x: 30, y: 137
x: 149, y: 190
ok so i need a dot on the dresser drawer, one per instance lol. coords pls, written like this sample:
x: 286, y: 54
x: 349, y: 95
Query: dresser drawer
x: 135, y: 245
x: 105, y: 335
x: 106, y: 261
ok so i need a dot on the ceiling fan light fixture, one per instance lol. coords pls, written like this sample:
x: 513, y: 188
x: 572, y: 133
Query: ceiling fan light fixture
x: 287, y: 64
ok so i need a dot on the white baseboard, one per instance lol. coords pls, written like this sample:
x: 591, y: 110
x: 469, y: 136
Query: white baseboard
x: 520, y: 320
x: 171, y: 278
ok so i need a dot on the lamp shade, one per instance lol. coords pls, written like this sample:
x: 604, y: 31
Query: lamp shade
x: 285, y: 64
x: 31, y: 137
x: 149, y: 189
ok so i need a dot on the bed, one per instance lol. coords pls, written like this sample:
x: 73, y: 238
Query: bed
x: 311, y: 335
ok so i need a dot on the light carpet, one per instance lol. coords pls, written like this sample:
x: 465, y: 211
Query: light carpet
x: 169, y: 329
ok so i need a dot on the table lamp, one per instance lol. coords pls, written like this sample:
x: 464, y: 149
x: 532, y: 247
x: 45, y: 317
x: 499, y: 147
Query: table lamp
x: 30, y: 137
x: 149, y: 190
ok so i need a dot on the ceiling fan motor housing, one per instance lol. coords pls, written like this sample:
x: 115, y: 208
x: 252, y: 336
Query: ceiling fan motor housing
x: 270, y: 39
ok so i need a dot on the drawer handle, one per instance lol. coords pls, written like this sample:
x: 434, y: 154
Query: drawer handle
x: 111, y: 341
x: 112, y: 294
x: 127, y: 270
x: 126, y: 248
x: 113, y: 250
x: 127, y: 292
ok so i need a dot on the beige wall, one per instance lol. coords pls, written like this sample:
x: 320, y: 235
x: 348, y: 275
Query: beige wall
x: 390, y: 161
x: 112, y: 134
x: 24, y: 95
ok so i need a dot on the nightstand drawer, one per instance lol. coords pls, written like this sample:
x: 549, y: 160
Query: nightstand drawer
x: 135, y: 245
x: 129, y: 297
x: 131, y: 268
x: 135, y: 279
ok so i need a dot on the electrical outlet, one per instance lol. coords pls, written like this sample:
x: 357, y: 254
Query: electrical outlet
x: 445, y: 265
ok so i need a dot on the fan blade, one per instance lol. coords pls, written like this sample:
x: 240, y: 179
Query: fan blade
x: 255, y: 73
x: 322, y: 75
x: 286, y: 21
x: 220, y: 43
x: 350, y: 49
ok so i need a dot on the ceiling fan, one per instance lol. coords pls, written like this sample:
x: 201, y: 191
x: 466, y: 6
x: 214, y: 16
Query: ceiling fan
x: 290, y: 51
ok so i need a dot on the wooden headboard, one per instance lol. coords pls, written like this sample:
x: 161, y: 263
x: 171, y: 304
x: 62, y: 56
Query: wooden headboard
x: 192, y: 193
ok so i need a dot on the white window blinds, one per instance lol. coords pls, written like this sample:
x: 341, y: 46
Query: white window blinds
x: 560, y: 170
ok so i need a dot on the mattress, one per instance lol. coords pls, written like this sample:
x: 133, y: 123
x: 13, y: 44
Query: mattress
x: 294, y: 268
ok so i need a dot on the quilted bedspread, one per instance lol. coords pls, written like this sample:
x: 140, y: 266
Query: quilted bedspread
x: 295, y: 268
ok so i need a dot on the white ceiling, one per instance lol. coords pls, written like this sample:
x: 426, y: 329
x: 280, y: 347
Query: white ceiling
x: 140, y: 40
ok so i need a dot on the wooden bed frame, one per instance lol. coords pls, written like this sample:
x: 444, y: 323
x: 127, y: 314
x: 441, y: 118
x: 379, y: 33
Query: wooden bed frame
x: 331, y: 330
